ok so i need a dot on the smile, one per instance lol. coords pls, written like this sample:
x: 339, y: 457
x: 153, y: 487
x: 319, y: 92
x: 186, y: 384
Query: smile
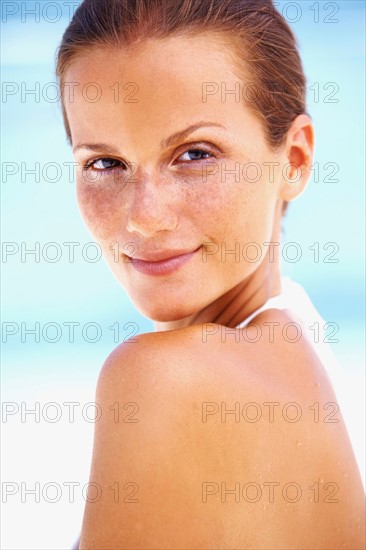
x: 164, y: 266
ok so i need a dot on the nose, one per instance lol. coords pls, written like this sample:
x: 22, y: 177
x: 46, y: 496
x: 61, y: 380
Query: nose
x: 152, y: 207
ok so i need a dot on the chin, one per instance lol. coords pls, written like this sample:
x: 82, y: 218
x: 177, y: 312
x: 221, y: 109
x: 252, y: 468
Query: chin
x: 166, y: 312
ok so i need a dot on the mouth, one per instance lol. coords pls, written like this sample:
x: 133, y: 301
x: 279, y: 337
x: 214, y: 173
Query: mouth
x: 163, y: 263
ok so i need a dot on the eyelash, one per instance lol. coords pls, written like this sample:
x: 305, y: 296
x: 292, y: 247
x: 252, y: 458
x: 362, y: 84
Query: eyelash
x: 89, y: 165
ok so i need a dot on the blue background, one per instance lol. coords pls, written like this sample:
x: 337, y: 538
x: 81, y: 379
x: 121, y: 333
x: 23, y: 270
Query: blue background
x: 86, y: 291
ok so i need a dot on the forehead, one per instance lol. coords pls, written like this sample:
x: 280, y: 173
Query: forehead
x: 178, y: 57
x: 161, y: 82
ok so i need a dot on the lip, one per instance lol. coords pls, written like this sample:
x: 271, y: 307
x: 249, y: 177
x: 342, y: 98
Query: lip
x: 162, y: 263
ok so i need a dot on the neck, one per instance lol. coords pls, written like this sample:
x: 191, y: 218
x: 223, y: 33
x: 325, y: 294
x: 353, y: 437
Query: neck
x: 239, y: 302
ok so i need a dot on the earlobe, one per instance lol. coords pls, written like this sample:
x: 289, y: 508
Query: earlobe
x: 299, y: 158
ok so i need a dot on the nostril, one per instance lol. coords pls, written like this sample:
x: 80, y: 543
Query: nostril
x: 148, y: 218
x: 151, y: 204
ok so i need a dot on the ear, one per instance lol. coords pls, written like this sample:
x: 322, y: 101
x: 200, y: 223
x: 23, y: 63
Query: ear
x: 298, y: 158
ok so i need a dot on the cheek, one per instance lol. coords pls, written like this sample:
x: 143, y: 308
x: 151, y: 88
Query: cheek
x: 232, y: 209
x: 100, y: 208
x: 223, y: 208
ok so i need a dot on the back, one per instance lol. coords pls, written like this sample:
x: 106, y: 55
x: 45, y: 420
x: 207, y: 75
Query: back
x: 235, y: 440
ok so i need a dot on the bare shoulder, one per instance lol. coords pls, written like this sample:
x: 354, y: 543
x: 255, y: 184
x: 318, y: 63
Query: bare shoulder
x: 269, y: 359
x: 205, y: 438
x: 215, y: 354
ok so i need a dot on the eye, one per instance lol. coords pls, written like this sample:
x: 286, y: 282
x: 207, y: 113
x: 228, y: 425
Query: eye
x: 104, y: 164
x: 194, y: 154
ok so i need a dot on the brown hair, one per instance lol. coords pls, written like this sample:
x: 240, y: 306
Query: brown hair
x: 261, y: 41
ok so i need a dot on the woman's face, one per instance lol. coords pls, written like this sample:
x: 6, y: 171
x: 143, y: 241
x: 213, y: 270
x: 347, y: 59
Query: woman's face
x: 176, y: 163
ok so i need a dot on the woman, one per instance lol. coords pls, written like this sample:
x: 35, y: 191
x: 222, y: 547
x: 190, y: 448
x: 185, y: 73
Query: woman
x: 188, y: 123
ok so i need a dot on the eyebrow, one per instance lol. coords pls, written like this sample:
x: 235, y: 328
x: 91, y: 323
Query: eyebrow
x: 97, y: 147
x: 174, y: 138
x: 168, y: 142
